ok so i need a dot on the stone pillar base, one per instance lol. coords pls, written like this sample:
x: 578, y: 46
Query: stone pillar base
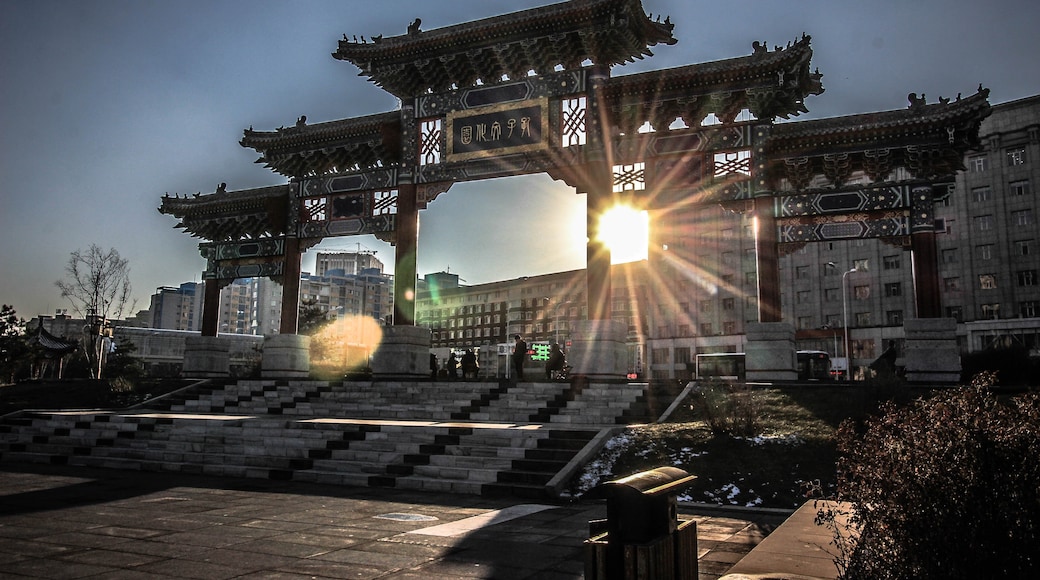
x: 598, y: 350
x: 206, y: 357
x: 770, y: 352
x: 931, y: 354
x: 404, y: 354
x: 286, y: 356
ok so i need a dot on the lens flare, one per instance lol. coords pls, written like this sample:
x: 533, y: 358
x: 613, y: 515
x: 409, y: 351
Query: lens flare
x: 626, y: 231
x: 344, y: 345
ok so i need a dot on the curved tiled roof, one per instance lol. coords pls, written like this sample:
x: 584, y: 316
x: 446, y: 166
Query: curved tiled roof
x: 607, y: 32
x: 334, y: 146
x: 234, y: 215
x: 912, y: 123
x: 768, y: 83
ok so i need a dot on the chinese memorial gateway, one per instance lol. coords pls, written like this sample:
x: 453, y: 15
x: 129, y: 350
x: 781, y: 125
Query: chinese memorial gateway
x: 532, y: 92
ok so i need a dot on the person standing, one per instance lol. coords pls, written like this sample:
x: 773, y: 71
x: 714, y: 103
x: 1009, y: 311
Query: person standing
x: 469, y: 364
x: 453, y: 367
x: 556, y: 361
x: 519, y: 354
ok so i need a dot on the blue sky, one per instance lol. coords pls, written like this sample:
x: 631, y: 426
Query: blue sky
x: 105, y: 105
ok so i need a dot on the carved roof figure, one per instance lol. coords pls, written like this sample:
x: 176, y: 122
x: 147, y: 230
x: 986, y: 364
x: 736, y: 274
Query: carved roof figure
x: 607, y: 32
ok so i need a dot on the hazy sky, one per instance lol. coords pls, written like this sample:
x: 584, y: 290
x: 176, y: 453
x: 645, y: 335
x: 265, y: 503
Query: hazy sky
x: 105, y: 105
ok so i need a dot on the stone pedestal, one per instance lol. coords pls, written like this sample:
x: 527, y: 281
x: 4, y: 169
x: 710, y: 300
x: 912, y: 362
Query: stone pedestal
x: 286, y: 356
x: 598, y: 350
x: 770, y: 352
x: 404, y: 354
x: 205, y: 357
x: 931, y: 350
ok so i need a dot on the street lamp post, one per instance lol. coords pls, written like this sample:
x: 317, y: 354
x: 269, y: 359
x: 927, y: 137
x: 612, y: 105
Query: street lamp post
x: 845, y: 314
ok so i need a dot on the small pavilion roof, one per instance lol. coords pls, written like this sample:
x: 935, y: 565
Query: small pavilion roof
x: 53, y: 346
x: 231, y: 215
x: 607, y: 32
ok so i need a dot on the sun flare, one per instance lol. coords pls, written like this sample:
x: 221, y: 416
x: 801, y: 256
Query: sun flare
x: 626, y: 231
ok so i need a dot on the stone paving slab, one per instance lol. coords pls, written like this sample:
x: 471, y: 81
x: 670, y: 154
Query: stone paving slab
x: 70, y: 522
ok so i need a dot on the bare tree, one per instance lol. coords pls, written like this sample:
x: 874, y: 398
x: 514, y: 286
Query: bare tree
x: 98, y: 286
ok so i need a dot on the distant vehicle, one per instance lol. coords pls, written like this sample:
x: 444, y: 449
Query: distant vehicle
x: 813, y: 365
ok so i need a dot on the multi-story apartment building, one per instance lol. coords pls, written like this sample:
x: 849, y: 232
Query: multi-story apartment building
x: 351, y: 284
x: 988, y: 232
x: 176, y: 308
x: 542, y: 309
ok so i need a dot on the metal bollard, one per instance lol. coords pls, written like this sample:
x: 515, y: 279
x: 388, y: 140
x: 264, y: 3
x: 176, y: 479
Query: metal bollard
x: 642, y: 537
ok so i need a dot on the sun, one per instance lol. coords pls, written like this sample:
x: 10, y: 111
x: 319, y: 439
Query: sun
x: 626, y: 231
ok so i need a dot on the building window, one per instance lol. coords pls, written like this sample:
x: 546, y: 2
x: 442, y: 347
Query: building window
x: 729, y: 327
x: 891, y: 262
x: 862, y: 319
x: 949, y: 256
x: 1019, y: 187
x: 705, y: 305
x: 983, y: 223
x: 684, y: 330
x: 801, y: 272
x: 831, y: 295
x: 803, y: 297
x: 706, y: 329
x: 1016, y: 156
x: 894, y: 317
x: 987, y: 282
x: 1022, y: 217
x: 1029, y: 308
x: 1024, y: 247
x: 833, y: 321
x: 1027, y: 278
x: 682, y: 354
x: 861, y: 265
x: 863, y: 348
x: 991, y: 311
x: 893, y: 289
x: 984, y: 252
x: 728, y: 303
x: 861, y: 292
x: 804, y: 322
x: 981, y: 194
x: 659, y: 356
x: 955, y: 312
x: 951, y: 284
x: 977, y: 164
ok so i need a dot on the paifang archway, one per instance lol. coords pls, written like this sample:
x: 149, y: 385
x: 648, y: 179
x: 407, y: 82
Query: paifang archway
x: 532, y: 92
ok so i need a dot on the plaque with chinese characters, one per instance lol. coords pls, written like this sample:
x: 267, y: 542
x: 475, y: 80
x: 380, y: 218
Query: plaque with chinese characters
x: 498, y: 130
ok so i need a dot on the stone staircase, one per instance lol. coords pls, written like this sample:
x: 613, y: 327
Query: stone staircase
x: 481, y: 438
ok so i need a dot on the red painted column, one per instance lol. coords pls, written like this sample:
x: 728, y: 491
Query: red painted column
x: 291, y: 287
x: 925, y: 258
x: 210, y: 307
x: 597, y: 257
x: 767, y: 256
x: 405, y: 250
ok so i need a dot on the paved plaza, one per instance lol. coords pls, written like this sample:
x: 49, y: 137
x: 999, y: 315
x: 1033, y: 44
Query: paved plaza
x: 69, y: 522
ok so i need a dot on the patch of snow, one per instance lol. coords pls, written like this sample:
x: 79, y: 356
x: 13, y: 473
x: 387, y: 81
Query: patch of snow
x: 789, y: 439
x: 603, y: 465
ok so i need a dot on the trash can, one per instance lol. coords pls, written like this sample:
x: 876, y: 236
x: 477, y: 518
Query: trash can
x: 642, y: 537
